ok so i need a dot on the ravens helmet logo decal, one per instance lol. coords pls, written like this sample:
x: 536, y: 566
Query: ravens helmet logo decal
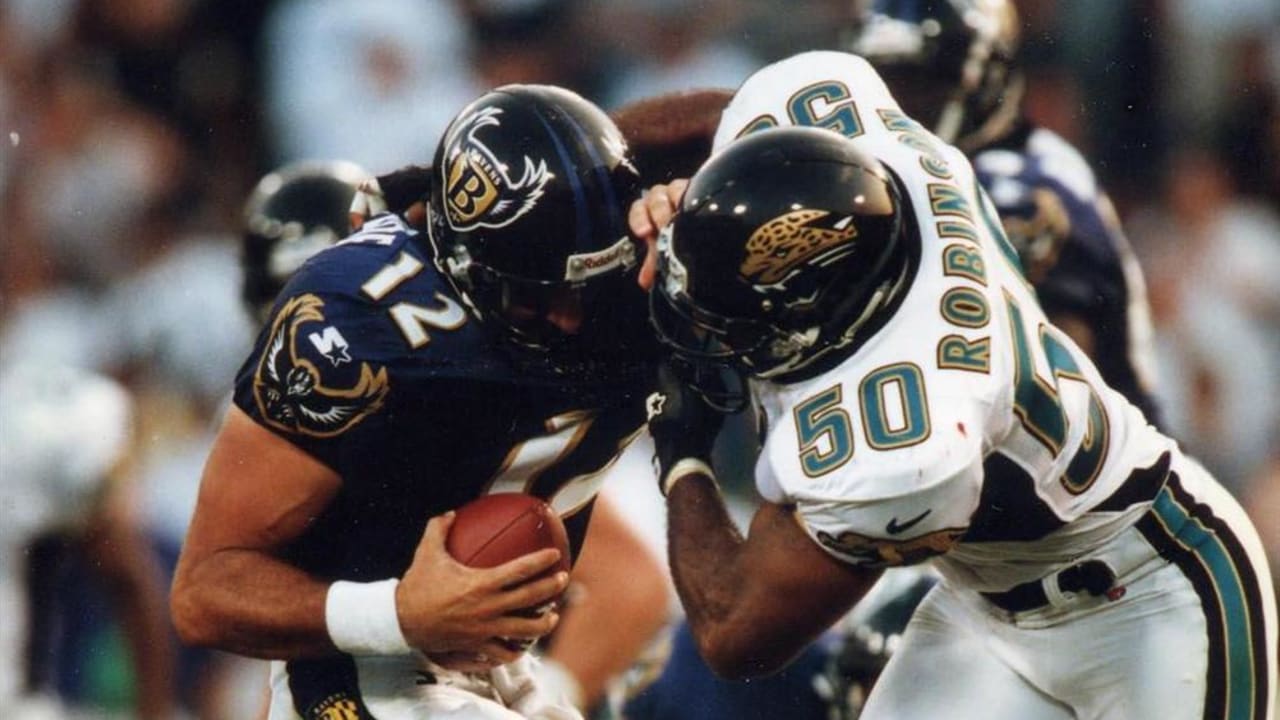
x: 780, y: 246
x: 479, y: 190
x: 290, y: 390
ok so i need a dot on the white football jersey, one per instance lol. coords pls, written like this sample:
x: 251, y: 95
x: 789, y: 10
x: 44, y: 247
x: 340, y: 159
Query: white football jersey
x: 967, y: 425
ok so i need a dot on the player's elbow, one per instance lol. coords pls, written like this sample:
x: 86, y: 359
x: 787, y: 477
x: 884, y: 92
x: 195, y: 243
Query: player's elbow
x: 192, y: 623
x: 733, y: 657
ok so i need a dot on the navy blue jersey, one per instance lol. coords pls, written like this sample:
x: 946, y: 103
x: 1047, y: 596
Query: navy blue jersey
x: 1074, y: 251
x: 372, y: 365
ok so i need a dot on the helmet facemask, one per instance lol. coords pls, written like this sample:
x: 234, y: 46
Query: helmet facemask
x: 523, y: 308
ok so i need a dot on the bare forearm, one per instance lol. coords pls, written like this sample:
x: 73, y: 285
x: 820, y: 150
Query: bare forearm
x: 703, y: 544
x: 753, y: 604
x: 249, y: 603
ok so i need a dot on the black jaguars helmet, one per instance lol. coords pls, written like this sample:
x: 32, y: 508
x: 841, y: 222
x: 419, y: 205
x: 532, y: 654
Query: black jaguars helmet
x: 528, y: 210
x: 790, y: 246
x: 293, y: 213
x: 949, y: 63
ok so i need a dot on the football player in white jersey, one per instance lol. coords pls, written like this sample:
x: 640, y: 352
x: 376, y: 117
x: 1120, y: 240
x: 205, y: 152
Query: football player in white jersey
x: 921, y: 407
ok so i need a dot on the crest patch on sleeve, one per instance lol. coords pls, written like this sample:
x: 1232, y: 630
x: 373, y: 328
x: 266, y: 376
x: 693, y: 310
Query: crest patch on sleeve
x: 291, y: 387
x: 877, y: 552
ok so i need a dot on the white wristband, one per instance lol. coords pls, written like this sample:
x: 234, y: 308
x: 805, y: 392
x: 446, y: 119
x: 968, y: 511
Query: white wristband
x: 361, y: 618
x: 682, y: 469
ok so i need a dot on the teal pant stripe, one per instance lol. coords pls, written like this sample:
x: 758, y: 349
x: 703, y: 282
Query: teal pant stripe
x: 1209, y: 550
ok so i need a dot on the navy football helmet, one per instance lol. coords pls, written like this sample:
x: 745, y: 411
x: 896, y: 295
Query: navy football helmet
x: 528, y: 213
x: 949, y: 63
x: 791, y: 245
x: 293, y: 213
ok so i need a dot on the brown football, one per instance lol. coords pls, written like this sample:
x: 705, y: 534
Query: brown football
x: 493, y: 529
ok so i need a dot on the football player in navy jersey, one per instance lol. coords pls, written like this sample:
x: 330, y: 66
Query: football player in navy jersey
x: 402, y: 373
x: 952, y: 64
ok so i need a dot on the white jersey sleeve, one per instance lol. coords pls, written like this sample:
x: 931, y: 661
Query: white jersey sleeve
x: 891, y: 485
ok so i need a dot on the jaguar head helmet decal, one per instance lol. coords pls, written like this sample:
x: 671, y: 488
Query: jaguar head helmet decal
x: 780, y: 246
x: 480, y: 188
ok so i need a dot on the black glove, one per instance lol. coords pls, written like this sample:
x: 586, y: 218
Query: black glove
x: 395, y: 192
x: 683, y: 424
x: 405, y: 186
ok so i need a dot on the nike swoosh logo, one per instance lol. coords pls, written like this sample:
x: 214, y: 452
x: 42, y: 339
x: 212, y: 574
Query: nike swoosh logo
x: 893, y: 528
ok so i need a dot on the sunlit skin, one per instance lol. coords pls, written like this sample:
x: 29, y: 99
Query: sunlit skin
x: 650, y: 214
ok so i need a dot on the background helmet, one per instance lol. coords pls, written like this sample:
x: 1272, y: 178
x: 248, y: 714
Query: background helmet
x: 529, y: 205
x: 949, y: 63
x: 789, y: 244
x: 293, y: 213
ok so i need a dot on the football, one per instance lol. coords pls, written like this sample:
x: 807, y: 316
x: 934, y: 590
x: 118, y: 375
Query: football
x: 493, y: 529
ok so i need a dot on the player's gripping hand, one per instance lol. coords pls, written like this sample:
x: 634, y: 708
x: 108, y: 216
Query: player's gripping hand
x: 454, y: 614
x: 683, y: 424
x: 648, y: 215
x: 403, y: 192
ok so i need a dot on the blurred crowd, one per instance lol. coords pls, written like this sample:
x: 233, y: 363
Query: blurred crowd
x: 131, y: 132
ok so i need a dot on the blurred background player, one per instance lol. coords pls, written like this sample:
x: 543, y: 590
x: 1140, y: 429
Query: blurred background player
x: 293, y: 213
x: 953, y: 66
x: 66, y: 435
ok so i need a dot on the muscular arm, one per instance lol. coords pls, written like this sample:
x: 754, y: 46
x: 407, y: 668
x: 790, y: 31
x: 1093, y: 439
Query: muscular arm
x: 617, y: 584
x: 230, y: 589
x: 752, y: 603
x: 233, y: 591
